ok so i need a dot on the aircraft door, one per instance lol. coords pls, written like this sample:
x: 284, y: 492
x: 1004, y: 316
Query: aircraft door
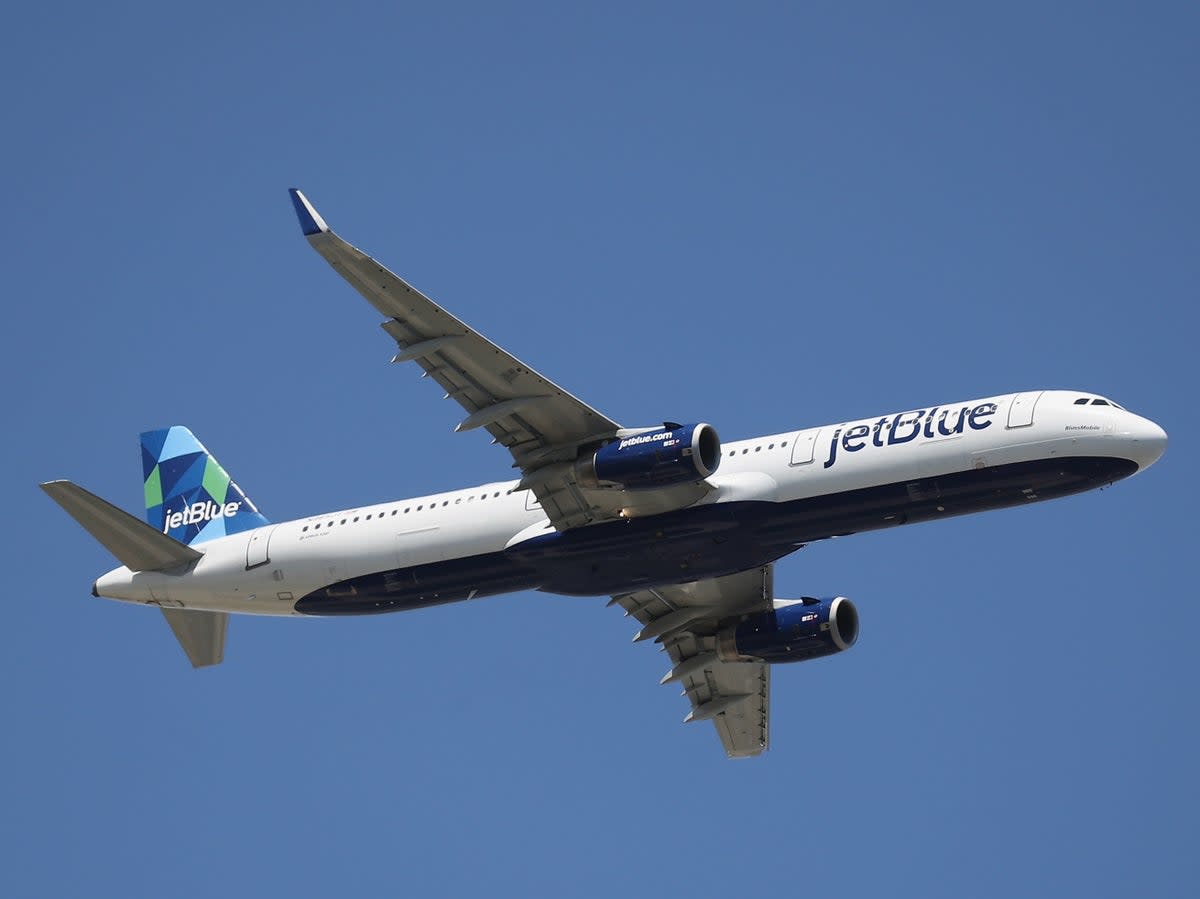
x: 258, y: 549
x: 804, y: 445
x: 1020, y: 413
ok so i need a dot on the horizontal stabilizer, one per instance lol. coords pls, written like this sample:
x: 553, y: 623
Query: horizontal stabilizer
x: 136, y: 545
x: 201, y: 634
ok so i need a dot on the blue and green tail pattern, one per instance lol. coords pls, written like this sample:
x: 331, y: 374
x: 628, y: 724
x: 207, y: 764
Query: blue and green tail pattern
x: 189, y: 496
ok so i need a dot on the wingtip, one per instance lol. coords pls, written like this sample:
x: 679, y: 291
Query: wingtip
x: 310, y: 222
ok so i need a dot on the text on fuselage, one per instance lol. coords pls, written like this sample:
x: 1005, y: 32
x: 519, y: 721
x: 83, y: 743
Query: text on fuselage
x: 905, y: 427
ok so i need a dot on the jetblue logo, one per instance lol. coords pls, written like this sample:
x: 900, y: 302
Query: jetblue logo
x: 198, y: 513
x: 906, y: 427
x: 649, y: 438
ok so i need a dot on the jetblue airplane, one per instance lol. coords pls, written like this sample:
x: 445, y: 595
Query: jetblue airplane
x: 679, y: 528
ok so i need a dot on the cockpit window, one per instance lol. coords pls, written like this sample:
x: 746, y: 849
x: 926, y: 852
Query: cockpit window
x: 1098, y: 401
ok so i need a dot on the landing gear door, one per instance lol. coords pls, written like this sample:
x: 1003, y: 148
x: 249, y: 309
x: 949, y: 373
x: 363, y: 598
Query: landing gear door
x: 804, y: 445
x: 1020, y: 413
x: 258, y: 550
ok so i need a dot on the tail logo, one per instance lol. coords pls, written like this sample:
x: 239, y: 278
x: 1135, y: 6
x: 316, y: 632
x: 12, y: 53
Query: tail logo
x: 189, y: 496
x: 198, y: 513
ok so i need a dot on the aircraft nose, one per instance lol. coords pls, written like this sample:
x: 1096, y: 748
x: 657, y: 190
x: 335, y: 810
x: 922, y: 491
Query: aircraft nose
x: 1148, y: 442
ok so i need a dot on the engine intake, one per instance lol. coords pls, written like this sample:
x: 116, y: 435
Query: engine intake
x: 672, y: 454
x: 794, y: 631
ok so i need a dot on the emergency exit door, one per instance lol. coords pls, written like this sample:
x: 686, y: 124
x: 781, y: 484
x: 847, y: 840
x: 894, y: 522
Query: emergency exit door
x: 803, y: 446
x: 258, y: 550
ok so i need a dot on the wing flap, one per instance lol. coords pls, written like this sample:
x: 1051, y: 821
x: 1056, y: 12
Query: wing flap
x: 740, y: 693
x: 735, y: 696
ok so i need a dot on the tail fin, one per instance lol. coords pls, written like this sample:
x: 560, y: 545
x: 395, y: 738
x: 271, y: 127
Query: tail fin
x: 188, y: 494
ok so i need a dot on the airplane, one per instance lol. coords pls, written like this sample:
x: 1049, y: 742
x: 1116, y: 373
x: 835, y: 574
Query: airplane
x: 679, y: 528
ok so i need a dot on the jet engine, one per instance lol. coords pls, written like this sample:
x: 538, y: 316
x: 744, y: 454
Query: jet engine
x: 794, y: 631
x: 658, y: 457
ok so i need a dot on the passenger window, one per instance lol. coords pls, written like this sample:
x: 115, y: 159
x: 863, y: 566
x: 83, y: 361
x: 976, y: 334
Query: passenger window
x: 305, y: 528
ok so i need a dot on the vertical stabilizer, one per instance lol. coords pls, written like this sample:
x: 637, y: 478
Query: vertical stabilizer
x: 189, y: 496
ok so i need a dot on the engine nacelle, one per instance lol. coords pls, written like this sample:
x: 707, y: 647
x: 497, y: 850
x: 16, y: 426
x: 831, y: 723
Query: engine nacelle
x: 673, y: 454
x: 794, y: 631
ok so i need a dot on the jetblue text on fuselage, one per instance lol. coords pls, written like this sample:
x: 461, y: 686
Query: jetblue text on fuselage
x: 904, y: 427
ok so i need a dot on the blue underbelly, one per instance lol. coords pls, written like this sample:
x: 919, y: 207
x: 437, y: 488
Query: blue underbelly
x: 704, y: 541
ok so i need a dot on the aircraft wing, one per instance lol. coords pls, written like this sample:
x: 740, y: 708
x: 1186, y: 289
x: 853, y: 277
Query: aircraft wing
x: 542, y: 425
x: 735, y: 696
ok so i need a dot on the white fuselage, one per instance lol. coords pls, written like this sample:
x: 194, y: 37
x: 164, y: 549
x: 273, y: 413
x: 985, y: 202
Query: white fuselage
x: 268, y: 570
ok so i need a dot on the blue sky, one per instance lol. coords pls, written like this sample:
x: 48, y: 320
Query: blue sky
x: 770, y: 217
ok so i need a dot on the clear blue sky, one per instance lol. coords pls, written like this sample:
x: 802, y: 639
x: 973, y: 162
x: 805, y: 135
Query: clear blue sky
x: 764, y: 218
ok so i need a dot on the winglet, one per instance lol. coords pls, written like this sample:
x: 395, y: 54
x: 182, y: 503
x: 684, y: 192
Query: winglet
x: 310, y: 222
